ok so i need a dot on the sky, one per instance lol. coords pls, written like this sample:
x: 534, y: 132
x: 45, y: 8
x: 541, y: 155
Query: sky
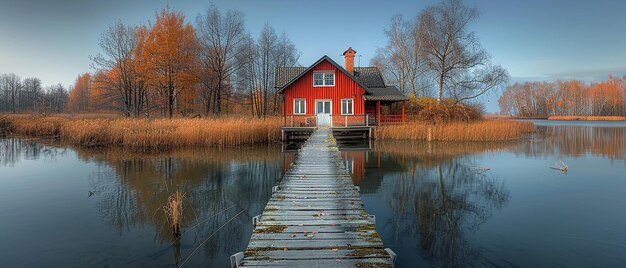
x: 532, y: 39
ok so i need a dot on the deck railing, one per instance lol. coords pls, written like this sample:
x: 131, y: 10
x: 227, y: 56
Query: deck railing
x: 352, y: 120
x: 391, y: 119
x: 300, y: 121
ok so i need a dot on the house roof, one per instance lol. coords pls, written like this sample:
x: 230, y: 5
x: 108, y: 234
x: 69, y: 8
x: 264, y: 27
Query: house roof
x: 390, y: 93
x: 306, y: 70
x: 369, y: 78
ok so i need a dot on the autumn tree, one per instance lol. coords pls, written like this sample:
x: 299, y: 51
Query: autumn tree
x: 573, y: 97
x: 120, y: 80
x: 79, y: 95
x: 454, y: 54
x: 169, y: 59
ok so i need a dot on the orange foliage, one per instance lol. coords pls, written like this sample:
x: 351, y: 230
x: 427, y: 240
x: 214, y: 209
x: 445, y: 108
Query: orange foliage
x: 78, y: 100
x: 542, y: 99
x: 169, y: 60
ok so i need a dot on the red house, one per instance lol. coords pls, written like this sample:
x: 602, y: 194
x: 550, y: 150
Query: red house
x: 327, y: 94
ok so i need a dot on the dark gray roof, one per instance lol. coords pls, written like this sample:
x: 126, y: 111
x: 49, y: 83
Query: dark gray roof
x: 369, y: 78
x: 286, y: 74
x: 391, y: 93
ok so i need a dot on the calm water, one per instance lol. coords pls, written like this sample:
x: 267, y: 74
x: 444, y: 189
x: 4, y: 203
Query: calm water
x: 437, y: 204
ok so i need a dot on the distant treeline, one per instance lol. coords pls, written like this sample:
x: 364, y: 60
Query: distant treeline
x: 170, y: 67
x: 19, y: 95
x: 573, y: 97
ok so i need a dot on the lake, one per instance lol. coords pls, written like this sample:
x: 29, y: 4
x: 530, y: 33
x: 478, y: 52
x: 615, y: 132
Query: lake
x: 436, y: 204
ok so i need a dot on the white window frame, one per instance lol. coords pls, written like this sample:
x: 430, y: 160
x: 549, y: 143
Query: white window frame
x: 324, y: 74
x: 294, y: 105
x: 351, y: 106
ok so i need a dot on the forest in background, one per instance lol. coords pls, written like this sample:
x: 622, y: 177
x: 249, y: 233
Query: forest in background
x: 171, y: 67
x: 168, y: 68
x: 573, y: 97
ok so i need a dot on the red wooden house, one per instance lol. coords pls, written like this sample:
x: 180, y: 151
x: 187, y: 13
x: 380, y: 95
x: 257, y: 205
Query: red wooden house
x: 327, y: 94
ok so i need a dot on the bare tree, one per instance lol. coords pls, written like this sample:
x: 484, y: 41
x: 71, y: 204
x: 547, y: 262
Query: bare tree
x: 10, y: 86
x: 246, y: 76
x: 31, y: 93
x: 285, y: 54
x: 55, y: 98
x: 454, y: 53
x: 266, y: 46
x: 220, y: 37
x: 400, y: 60
x: 117, y: 68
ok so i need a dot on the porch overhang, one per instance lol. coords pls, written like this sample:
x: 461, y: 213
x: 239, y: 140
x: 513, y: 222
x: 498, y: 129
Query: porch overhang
x: 391, y: 93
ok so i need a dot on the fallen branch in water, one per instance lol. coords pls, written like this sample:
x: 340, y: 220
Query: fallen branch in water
x: 562, y: 167
x: 481, y: 170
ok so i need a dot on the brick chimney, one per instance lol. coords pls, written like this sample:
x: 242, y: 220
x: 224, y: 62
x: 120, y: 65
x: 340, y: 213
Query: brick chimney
x: 349, y: 55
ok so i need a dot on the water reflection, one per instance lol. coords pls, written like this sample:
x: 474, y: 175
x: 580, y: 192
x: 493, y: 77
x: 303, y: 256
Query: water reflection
x: 14, y: 150
x: 430, y: 199
x: 577, y: 141
x: 432, y: 194
x: 217, y: 187
x: 129, y: 189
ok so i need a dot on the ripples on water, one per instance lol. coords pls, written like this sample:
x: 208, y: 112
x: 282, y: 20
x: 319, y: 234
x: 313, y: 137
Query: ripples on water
x: 437, y: 204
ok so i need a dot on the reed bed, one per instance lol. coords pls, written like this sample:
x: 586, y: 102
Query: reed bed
x: 588, y: 118
x: 483, y: 130
x: 150, y: 134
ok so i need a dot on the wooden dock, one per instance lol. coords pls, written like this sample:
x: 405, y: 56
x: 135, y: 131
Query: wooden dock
x: 315, y: 217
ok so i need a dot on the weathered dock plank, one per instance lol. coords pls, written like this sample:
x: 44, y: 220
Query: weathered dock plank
x: 315, y: 217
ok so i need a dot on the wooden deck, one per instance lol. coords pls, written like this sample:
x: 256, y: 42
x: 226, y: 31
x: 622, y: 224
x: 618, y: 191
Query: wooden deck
x: 315, y: 217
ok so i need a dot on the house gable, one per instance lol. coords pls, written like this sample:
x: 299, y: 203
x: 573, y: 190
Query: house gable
x: 345, y: 87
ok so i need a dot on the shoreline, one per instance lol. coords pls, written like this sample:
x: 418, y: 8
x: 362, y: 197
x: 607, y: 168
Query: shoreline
x: 141, y: 134
x: 558, y: 118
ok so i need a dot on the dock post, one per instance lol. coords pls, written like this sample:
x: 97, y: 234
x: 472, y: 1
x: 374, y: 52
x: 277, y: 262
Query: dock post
x: 391, y: 254
x: 236, y: 258
x: 256, y: 219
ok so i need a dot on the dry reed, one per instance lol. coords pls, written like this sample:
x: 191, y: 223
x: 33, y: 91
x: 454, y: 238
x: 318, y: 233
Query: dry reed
x: 588, y: 118
x: 484, y: 130
x: 150, y: 134
x: 174, y: 211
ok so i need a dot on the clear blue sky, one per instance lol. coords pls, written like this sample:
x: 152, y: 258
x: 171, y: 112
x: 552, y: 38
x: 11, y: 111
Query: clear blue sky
x: 533, y: 39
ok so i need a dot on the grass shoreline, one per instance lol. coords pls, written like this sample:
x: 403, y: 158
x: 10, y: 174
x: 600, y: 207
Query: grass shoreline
x: 482, y: 130
x: 166, y: 134
x: 146, y: 134
x: 560, y: 117
x: 587, y: 118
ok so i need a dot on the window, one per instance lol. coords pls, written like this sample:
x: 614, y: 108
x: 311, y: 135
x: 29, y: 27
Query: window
x: 299, y: 106
x: 347, y: 106
x: 323, y: 79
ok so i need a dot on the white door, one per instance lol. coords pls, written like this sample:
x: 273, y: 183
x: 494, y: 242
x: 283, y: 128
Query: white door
x: 323, y: 110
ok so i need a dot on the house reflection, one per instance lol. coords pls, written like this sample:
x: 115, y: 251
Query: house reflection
x: 431, y: 193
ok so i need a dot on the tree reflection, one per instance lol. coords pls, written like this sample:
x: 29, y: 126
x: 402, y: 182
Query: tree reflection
x: 14, y: 150
x: 577, y: 141
x: 438, y: 197
x: 218, y: 184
